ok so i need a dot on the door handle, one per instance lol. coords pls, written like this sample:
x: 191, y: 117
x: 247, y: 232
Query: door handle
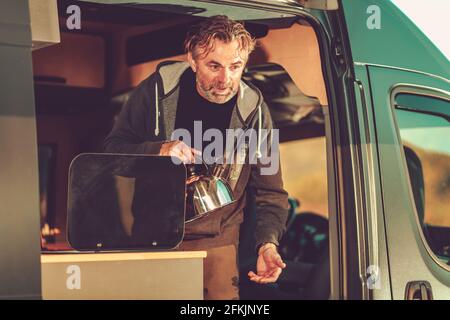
x: 418, y: 290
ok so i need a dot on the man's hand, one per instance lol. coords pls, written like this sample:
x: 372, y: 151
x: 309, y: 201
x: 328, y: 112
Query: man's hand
x: 180, y: 150
x: 268, y: 266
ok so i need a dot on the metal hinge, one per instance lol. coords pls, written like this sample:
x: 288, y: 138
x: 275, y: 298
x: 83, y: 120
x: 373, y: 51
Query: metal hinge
x: 338, y: 51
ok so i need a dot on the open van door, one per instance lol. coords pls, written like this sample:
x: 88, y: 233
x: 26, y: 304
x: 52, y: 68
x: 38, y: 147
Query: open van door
x: 402, y: 94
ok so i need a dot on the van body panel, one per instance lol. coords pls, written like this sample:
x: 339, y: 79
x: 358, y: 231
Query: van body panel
x: 379, y: 33
x: 376, y: 271
x: 19, y: 186
x: 409, y: 258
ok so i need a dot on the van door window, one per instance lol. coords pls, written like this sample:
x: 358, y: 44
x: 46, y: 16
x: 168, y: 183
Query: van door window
x: 424, y: 126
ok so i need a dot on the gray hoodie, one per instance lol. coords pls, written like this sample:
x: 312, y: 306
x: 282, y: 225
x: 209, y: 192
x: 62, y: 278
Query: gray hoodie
x: 147, y: 121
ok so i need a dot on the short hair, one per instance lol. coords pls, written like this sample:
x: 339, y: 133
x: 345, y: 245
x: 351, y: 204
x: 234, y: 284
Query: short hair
x: 202, y: 35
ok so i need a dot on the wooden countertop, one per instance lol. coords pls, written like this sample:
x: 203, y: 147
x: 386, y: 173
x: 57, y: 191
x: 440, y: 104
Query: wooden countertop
x: 120, y: 256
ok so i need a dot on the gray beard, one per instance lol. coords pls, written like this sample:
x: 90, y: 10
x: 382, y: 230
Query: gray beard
x: 211, y: 97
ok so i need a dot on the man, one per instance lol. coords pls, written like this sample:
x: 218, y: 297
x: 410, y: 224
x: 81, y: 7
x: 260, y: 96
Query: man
x: 208, y: 88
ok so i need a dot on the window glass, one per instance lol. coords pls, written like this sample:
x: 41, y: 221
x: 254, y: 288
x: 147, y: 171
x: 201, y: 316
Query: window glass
x: 425, y: 131
x: 305, y: 173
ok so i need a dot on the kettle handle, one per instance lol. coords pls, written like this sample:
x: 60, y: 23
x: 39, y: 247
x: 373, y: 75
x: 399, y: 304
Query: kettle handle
x: 203, y: 162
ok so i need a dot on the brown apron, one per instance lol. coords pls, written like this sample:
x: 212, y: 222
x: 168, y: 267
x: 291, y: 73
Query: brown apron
x: 220, y: 267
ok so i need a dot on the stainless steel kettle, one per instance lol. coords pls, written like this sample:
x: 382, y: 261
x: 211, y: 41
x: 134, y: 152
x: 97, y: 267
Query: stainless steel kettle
x: 205, y: 193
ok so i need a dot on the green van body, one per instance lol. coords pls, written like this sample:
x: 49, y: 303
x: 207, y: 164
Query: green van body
x: 398, y: 57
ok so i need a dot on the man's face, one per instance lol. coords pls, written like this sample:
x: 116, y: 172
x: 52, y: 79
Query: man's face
x: 219, y: 72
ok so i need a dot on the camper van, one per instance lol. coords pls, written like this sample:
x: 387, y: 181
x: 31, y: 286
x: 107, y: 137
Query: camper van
x: 361, y: 98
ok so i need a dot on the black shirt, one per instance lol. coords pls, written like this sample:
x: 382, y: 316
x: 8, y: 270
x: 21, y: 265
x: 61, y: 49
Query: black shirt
x: 193, y: 107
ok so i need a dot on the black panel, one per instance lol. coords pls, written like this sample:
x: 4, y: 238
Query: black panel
x: 156, y: 45
x: 117, y: 14
x: 61, y: 99
x: 119, y: 202
x: 169, y: 42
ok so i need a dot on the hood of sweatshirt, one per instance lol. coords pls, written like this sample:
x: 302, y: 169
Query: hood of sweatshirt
x: 249, y: 101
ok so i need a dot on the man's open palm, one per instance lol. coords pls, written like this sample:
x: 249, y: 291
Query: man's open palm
x: 268, y: 266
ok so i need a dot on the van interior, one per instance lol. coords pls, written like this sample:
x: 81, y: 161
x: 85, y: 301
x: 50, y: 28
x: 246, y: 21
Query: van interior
x: 82, y: 83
